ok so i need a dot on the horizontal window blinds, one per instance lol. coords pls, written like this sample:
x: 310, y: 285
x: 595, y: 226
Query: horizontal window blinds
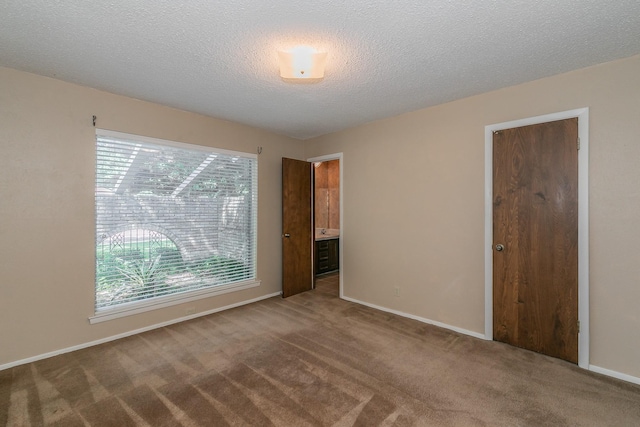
x: 171, y: 218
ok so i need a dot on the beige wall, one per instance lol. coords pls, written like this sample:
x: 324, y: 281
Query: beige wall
x: 414, y: 204
x: 413, y: 214
x: 47, y: 207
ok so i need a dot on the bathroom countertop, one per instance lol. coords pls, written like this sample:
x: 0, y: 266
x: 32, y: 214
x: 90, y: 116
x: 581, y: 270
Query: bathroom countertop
x: 330, y: 233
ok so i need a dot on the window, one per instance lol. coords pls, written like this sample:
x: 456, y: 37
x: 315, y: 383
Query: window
x: 174, y: 222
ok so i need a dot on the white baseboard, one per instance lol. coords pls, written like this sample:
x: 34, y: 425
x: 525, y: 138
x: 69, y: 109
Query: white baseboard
x: 418, y: 318
x: 593, y: 368
x: 614, y: 374
x: 137, y: 331
x: 597, y: 369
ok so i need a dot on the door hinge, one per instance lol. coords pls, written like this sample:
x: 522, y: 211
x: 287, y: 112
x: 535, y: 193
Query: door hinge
x: 578, y: 326
x: 578, y: 143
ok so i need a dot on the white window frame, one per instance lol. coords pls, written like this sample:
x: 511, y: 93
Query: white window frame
x: 141, y: 306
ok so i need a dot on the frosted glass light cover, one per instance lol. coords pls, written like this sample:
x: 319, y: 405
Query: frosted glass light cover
x: 302, y: 62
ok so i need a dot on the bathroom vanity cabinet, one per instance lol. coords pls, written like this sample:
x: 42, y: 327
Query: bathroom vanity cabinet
x: 327, y: 258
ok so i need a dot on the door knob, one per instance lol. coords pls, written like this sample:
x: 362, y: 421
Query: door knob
x: 499, y: 248
x: 287, y: 235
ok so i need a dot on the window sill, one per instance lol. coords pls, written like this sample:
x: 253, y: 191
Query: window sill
x: 138, y: 307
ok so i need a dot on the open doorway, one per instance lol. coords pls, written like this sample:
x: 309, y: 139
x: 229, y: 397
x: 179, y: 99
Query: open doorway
x: 327, y: 220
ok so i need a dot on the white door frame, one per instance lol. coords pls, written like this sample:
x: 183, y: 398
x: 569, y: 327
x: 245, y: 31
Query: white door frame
x: 583, y: 221
x: 337, y: 156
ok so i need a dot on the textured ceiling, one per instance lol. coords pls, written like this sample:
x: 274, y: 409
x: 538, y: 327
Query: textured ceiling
x: 219, y: 58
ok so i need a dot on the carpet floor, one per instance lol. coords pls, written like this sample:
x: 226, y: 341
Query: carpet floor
x: 310, y: 360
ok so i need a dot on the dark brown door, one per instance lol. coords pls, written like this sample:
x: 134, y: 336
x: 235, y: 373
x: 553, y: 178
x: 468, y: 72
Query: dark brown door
x: 296, y: 227
x: 535, y: 237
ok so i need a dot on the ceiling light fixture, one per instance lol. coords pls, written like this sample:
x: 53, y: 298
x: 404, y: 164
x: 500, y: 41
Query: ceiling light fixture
x: 302, y: 62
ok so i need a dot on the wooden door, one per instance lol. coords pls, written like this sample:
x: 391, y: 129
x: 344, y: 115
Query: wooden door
x: 535, y: 237
x: 296, y: 227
